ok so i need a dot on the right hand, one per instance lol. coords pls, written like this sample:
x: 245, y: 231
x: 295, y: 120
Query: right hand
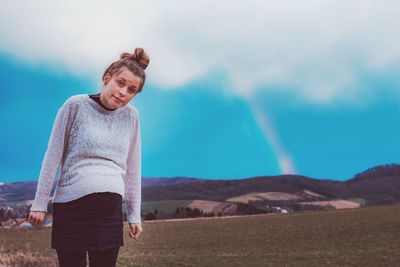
x: 36, y: 218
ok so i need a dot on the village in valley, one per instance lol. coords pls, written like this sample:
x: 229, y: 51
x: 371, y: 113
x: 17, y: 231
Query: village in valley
x: 11, y: 218
x: 18, y: 218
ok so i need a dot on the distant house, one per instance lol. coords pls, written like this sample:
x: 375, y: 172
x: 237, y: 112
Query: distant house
x: 284, y: 211
x: 280, y: 210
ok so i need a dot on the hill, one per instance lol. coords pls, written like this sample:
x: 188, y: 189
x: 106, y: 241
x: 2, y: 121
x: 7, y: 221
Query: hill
x: 377, y: 185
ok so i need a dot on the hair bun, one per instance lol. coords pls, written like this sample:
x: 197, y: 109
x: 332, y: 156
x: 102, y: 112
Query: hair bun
x: 139, y: 56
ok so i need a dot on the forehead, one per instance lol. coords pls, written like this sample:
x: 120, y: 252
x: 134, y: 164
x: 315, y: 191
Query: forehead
x: 127, y: 75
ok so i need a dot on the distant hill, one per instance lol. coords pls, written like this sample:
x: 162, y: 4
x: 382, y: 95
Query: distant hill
x: 219, y: 190
x: 381, y: 171
x: 152, y: 181
x: 18, y: 191
x: 22, y: 191
x: 377, y: 185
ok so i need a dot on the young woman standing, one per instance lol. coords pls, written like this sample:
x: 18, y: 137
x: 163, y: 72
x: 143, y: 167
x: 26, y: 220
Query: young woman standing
x: 96, y: 140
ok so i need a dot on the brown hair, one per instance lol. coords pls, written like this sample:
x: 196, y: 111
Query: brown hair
x: 136, y: 62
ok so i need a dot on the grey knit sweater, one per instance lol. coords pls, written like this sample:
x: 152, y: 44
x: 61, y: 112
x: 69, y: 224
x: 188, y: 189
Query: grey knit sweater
x: 99, y: 150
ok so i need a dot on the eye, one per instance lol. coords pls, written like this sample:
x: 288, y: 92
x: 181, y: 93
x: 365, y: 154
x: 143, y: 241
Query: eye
x: 131, y: 90
x: 120, y: 83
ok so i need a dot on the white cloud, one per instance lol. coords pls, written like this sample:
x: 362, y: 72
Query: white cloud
x: 317, y: 48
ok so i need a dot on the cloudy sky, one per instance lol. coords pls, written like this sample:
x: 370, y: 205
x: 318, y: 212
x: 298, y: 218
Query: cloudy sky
x: 234, y: 89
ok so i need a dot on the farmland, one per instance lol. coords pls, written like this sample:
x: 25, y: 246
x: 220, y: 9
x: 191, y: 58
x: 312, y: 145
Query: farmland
x: 356, y: 237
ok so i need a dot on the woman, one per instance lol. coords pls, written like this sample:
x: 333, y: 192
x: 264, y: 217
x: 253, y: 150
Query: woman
x: 96, y: 139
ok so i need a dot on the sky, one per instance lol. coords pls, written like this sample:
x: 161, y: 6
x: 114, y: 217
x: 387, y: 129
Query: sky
x: 233, y: 90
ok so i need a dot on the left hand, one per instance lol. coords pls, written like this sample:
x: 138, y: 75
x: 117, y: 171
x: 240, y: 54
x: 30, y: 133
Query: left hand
x: 136, y: 230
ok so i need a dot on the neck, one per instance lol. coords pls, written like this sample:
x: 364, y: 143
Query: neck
x: 102, y: 100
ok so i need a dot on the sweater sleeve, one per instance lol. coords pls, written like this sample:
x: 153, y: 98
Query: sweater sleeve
x: 53, y: 156
x: 133, y: 183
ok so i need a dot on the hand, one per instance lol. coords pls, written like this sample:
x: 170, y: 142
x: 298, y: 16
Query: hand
x: 136, y: 230
x: 36, y: 218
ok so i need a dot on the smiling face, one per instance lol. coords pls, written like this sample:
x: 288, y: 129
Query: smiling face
x: 119, y: 88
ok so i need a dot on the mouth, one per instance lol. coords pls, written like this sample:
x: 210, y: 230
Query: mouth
x: 119, y: 100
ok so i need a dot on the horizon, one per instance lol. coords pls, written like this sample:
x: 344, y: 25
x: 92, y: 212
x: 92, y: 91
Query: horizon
x: 244, y: 178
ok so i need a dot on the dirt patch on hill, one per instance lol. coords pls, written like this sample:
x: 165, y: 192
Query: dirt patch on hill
x: 213, y: 206
x: 313, y: 194
x: 264, y: 196
x: 338, y: 204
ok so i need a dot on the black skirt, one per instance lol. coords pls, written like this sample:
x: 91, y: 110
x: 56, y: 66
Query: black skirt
x: 93, y: 222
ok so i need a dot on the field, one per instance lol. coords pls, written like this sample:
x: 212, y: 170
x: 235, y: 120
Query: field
x: 356, y: 237
x: 164, y: 206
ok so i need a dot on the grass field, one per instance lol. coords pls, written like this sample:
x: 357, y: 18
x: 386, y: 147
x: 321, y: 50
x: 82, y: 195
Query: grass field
x: 358, y: 237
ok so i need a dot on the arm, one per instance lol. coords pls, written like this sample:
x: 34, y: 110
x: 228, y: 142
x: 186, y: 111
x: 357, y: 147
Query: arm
x: 53, y: 156
x: 133, y: 178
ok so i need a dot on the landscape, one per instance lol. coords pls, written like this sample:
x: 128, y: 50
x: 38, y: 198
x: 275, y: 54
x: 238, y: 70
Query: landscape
x: 263, y: 132
x: 284, y: 220
x: 182, y: 197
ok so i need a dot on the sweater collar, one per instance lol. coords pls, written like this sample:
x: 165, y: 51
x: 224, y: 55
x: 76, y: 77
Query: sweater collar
x: 96, y: 97
x: 100, y: 107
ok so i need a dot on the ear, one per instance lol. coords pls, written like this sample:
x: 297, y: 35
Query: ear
x: 107, y: 78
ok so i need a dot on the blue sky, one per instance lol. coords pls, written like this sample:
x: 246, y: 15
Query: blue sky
x: 229, y: 95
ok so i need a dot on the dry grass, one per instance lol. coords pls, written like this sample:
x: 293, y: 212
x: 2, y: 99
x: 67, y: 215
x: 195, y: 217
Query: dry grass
x: 213, y: 206
x: 311, y: 193
x: 338, y: 204
x: 25, y: 258
x: 254, y: 196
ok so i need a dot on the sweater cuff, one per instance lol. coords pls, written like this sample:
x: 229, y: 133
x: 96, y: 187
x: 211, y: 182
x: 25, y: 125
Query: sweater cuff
x: 132, y: 219
x: 40, y: 205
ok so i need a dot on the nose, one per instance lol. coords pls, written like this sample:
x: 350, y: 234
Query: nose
x: 122, y: 91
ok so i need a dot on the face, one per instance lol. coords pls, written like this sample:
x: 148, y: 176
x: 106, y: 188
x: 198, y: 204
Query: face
x: 120, y: 88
